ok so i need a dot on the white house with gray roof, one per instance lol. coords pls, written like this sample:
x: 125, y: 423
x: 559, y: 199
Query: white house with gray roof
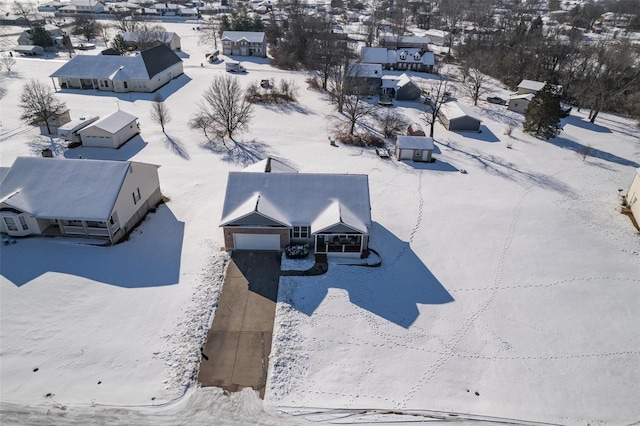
x: 144, y: 72
x: 111, y: 131
x: 269, y: 211
x: 244, y: 43
x: 87, y: 198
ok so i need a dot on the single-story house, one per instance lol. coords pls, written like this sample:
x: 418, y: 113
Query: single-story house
x: 416, y: 148
x: 453, y: 117
x: 244, y: 43
x: 520, y: 103
x: 269, y: 165
x: 410, y: 58
x: 112, y: 131
x: 29, y: 50
x: 89, y: 198
x: 169, y: 39
x: 144, y: 72
x: 395, y: 42
x: 269, y: 211
x: 530, y: 86
x: 82, y: 7
x: 438, y: 37
x: 633, y: 196
x: 57, y: 35
x: 401, y: 88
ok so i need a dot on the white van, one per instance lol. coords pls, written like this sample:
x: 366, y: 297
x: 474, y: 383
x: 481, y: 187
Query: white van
x: 233, y: 66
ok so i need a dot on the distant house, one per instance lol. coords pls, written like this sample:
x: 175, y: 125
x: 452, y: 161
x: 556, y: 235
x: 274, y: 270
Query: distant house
x: 633, y: 196
x: 169, y: 39
x: 111, y: 131
x: 453, y: 117
x: 269, y: 165
x: 403, y: 42
x: 82, y: 7
x: 529, y: 86
x: 58, y: 36
x: 520, y: 103
x: 269, y: 211
x: 244, y: 43
x: 29, y: 50
x: 401, y: 88
x: 410, y: 58
x: 415, y: 148
x: 88, y: 198
x: 438, y: 37
x: 144, y: 72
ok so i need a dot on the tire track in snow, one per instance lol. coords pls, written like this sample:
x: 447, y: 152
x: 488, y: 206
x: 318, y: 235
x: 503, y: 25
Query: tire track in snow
x: 468, y: 324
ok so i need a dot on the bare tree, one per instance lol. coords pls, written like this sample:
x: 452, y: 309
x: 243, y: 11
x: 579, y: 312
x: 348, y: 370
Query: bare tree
x: 436, y: 95
x: 39, y: 104
x: 391, y: 122
x: 159, y: 111
x: 85, y: 26
x: 223, y: 108
x: 125, y: 22
x: 7, y: 61
x: 209, y: 33
x: 475, y: 84
x: 451, y: 11
x: 355, y: 109
x: 25, y: 10
x: 104, y: 33
x: 147, y: 36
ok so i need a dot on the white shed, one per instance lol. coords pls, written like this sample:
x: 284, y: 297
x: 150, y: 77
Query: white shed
x: 416, y: 148
x: 111, y: 131
x: 520, y: 103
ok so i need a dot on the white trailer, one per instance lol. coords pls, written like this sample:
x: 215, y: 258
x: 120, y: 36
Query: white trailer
x: 233, y: 66
x: 71, y: 131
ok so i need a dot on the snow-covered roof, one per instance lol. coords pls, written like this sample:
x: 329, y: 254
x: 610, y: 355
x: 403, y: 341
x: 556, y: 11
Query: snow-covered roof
x: 412, y: 55
x: 531, y: 85
x: 269, y: 165
x: 298, y: 198
x: 374, y: 55
x: 336, y: 214
x: 250, y: 36
x: 453, y: 110
x: 366, y: 70
x: 527, y: 96
x: 112, y: 123
x: 415, y: 142
x: 396, y: 81
x: 57, y: 188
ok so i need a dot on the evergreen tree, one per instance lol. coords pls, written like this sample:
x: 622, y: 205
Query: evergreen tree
x: 119, y: 44
x: 543, y: 114
x: 40, y: 36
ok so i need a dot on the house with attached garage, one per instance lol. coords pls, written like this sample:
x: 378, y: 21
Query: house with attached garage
x: 67, y: 197
x: 244, y: 43
x: 144, y: 72
x: 269, y: 211
x: 111, y: 131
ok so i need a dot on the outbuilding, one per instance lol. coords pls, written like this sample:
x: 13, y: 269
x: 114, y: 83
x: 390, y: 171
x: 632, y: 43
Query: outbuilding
x: 633, y: 196
x: 111, y: 131
x: 520, y: 103
x: 453, y: 117
x: 415, y: 129
x: 415, y: 148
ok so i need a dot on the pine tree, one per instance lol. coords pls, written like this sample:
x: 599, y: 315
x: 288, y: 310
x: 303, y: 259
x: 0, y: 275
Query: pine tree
x: 40, y: 36
x: 543, y: 114
x: 119, y: 44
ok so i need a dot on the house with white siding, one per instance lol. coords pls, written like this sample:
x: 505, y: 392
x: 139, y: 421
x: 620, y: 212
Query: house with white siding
x: 74, y: 197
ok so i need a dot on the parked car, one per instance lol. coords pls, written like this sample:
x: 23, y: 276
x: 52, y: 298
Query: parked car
x: 565, y: 111
x: 212, y: 56
x: 496, y: 100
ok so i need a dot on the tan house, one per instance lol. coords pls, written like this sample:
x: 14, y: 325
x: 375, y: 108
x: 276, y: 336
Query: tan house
x: 244, y: 43
x: 633, y: 196
x: 86, y: 198
x: 111, y: 131
x: 269, y: 211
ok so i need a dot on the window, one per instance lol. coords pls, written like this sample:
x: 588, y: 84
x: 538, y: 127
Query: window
x: 126, y: 86
x: 300, y: 232
x: 11, y: 223
x: 23, y: 223
x: 136, y: 196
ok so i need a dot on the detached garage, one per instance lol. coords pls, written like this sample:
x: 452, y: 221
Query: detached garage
x: 112, y: 131
x: 415, y: 148
x: 453, y: 117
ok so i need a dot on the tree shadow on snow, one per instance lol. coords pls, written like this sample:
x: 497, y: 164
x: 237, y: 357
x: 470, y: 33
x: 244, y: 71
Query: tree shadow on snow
x: 286, y: 108
x: 585, y: 124
x: 593, y: 152
x: 243, y: 153
x: 484, y: 135
x: 149, y: 258
x: 123, y: 153
x: 176, y: 146
x: 393, y: 291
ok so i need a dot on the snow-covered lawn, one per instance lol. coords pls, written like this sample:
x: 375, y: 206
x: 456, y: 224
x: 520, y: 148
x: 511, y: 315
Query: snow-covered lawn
x: 511, y: 291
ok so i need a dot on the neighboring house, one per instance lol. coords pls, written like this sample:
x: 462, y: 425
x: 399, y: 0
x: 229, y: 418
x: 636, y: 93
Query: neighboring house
x: 416, y: 148
x: 8, y: 18
x: 453, y: 117
x: 29, y: 50
x: 364, y: 79
x: 111, y: 131
x: 169, y: 39
x: 529, y: 86
x: 89, y: 198
x: 520, y: 103
x: 244, y: 43
x: 269, y: 211
x: 395, y: 42
x: 415, y: 59
x: 269, y: 165
x: 401, y: 88
x: 58, y: 36
x: 144, y: 72
x: 633, y: 196
x: 82, y: 7
x: 166, y: 9
x: 438, y: 37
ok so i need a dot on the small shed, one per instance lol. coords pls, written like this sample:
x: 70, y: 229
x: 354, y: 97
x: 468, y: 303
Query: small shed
x: 520, y: 103
x: 530, y: 86
x: 454, y: 118
x: 111, y: 131
x: 415, y: 129
x: 416, y: 148
x: 29, y: 50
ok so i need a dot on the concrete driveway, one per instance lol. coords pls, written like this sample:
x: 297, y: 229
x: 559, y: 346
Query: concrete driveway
x: 239, y: 341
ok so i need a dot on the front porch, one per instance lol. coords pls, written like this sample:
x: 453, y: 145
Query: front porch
x: 77, y: 228
x: 346, y: 244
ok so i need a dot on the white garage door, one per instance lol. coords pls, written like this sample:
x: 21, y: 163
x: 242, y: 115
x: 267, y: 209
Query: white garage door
x: 256, y: 241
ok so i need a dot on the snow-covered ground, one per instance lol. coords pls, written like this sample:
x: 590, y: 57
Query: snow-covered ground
x: 509, y: 291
